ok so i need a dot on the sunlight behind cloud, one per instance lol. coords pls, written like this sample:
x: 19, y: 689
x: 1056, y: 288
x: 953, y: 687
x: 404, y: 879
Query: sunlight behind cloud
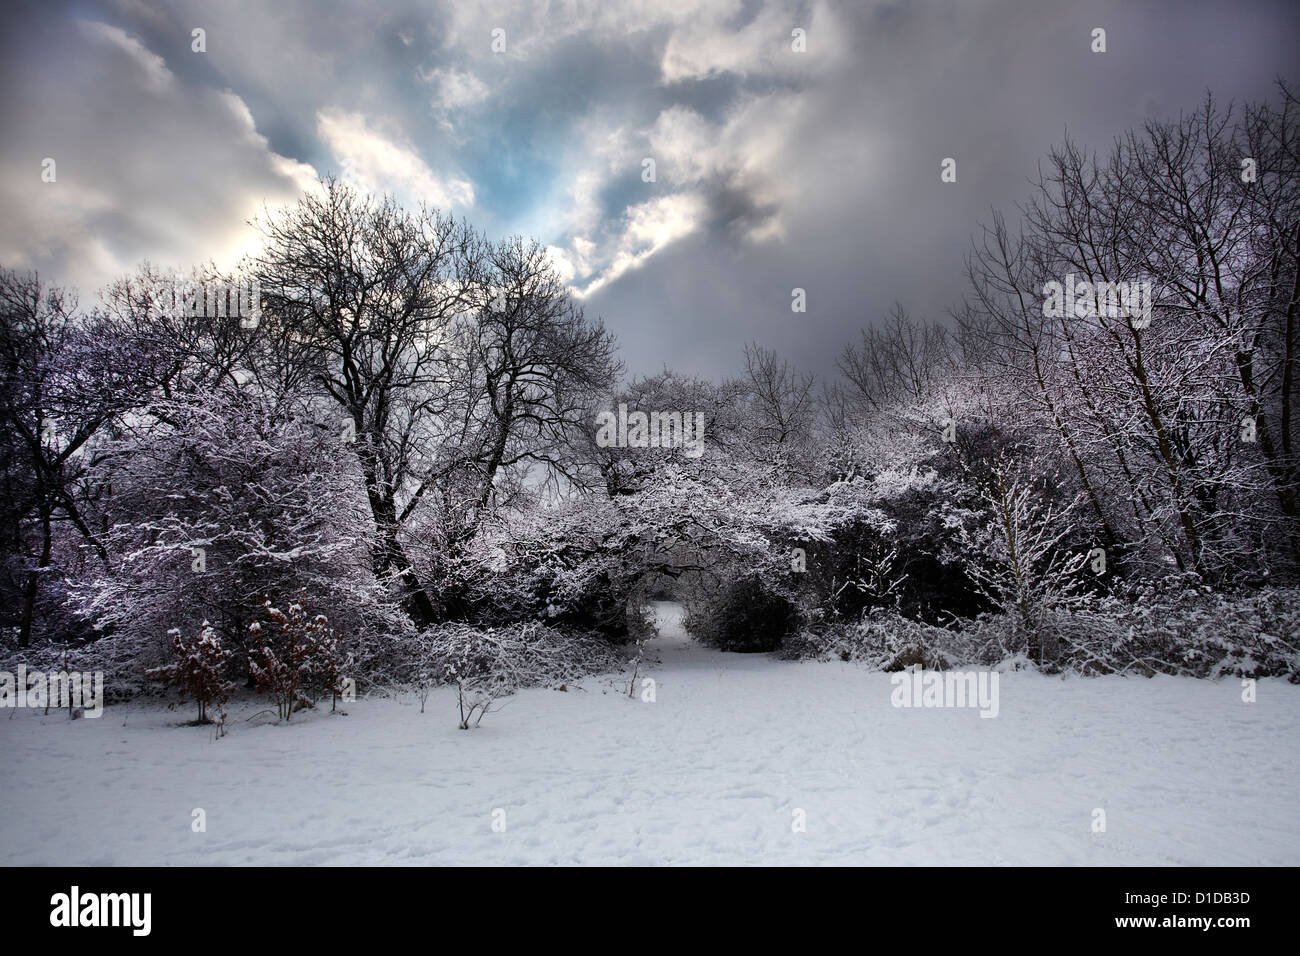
x: 383, y: 161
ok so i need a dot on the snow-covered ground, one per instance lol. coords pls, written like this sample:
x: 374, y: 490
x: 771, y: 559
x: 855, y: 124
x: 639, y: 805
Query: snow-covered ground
x: 712, y: 772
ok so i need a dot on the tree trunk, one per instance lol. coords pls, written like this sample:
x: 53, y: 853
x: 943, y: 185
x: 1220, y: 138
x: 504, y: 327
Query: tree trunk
x: 31, y: 591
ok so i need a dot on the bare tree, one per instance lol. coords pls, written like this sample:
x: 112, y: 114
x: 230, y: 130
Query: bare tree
x: 460, y: 368
x: 899, y: 359
x: 783, y: 408
x: 1149, y: 413
x: 530, y: 367
x: 368, y: 292
x: 1023, y: 566
x: 64, y: 377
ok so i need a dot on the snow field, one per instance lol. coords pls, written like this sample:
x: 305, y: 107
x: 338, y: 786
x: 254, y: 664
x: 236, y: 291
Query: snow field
x: 711, y: 772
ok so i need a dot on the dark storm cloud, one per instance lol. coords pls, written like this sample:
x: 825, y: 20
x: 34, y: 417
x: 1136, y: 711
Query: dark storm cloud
x: 774, y: 169
x: 867, y: 220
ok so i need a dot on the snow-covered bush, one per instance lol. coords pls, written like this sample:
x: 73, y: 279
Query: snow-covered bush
x: 883, y: 541
x: 478, y: 686
x: 1173, y: 627
x: 198, y: 670
x: 516, y: 655
x: 124, y: 663
x: 1018, y: 552
x: 572, y: 565
x: 298, y: 659
x: 884, y: 640
x: 747, y: 616
x: 1170, y: 627
x: 485, y: 664
x: 218, y: 503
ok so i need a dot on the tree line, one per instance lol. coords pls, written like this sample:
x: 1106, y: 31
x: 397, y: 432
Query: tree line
x: 406, y: 438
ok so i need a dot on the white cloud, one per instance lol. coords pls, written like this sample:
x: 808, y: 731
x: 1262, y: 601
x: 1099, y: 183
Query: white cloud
x: 683, y: 144
x: 455, y: 89
x: 173, y: 179
x: 153, y: 69
x: 745, y: 152
x: 563, y: 263
x: 707, y: 46
x: 382, y: 160
x: 532, y: 28
x: 649, y: 227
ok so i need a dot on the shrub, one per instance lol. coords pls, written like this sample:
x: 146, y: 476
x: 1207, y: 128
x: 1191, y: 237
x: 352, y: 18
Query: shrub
x: 303, y: 658
x: 486, y: 664
x: 477, y: 686
x: 749, y: 618
x: 1170, y: 627
x: 198, y: 670
x: 883, y: 639
x: 516, y: 655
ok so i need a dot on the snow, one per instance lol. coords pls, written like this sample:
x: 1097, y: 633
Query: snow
x: 711, y: 772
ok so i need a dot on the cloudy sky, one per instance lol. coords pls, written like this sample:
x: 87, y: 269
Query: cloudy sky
x: 774, y: 168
